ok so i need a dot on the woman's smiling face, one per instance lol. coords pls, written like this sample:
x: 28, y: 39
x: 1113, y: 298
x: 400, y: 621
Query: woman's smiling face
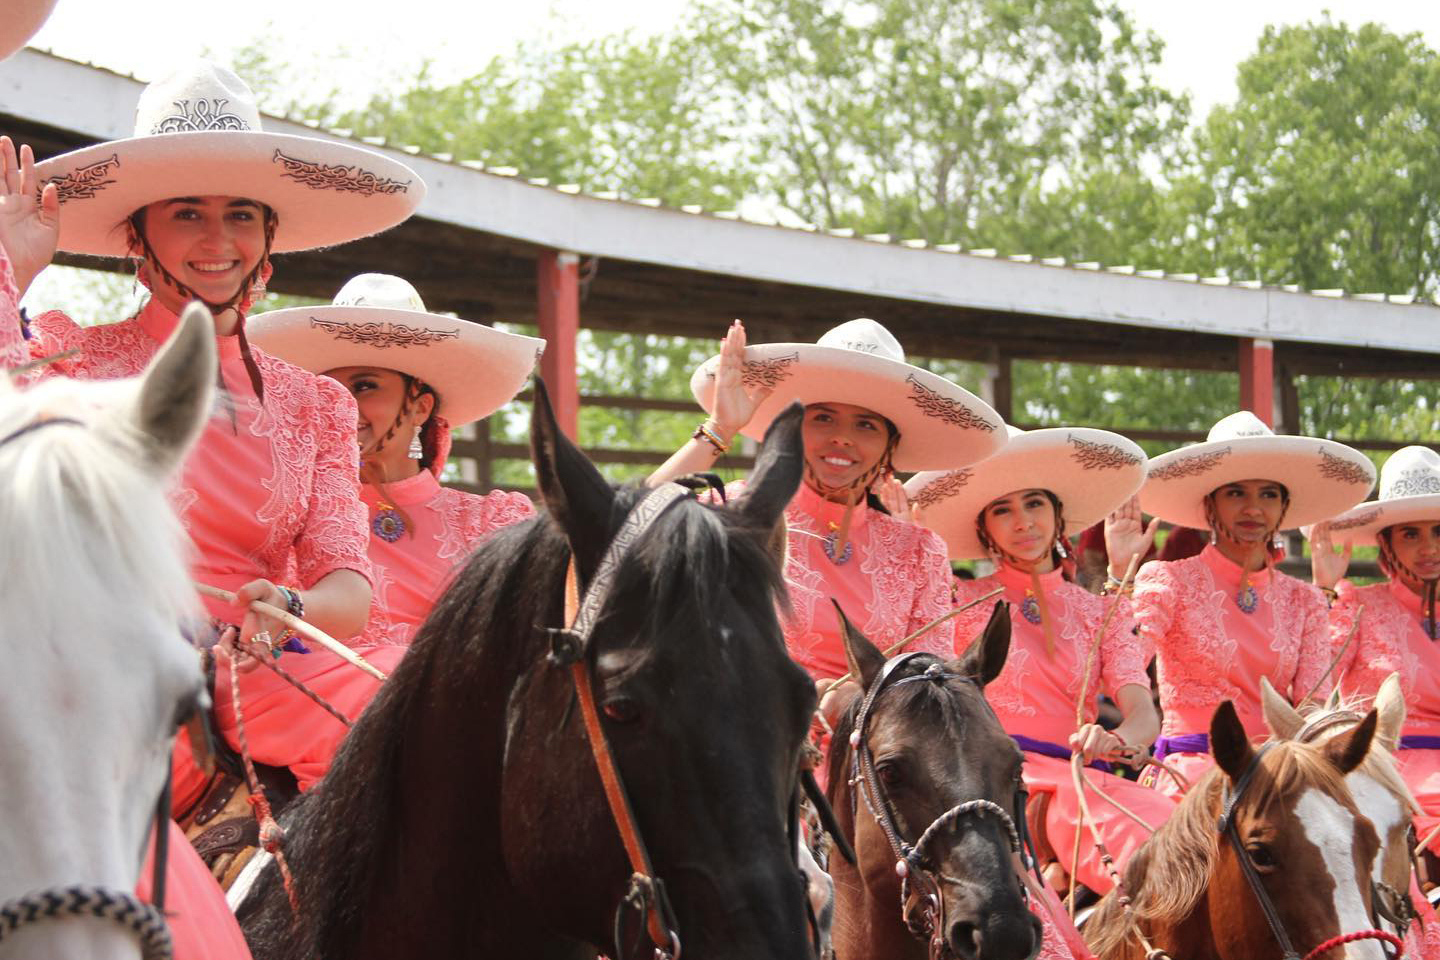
x: 843, y: 443
x: 208, y: 244
x: 1021, y: 524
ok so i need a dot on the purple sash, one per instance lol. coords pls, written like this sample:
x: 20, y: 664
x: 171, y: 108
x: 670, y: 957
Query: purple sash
x: 1419, y: 741
x: 1182, y: 743
x: 1047, y: 749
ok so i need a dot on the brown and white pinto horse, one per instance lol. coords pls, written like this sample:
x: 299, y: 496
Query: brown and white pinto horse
x: 945, y: 775
x: 1311, y: 848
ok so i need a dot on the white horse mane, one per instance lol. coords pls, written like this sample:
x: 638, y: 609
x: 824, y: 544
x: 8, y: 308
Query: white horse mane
x: 79, y: 514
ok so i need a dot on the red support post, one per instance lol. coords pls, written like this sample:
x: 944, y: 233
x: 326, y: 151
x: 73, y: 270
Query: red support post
x: 558, y: 311
x: 1257, y: 378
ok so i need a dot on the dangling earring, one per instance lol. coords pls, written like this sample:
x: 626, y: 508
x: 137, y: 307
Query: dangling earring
x: 417, y: 452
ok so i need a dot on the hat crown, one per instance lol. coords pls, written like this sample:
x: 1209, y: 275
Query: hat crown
x: 380, y: 290
x: 1238, y: 425
x: 1410, y: 472
x: 863, y: 335
x: 198, y: 97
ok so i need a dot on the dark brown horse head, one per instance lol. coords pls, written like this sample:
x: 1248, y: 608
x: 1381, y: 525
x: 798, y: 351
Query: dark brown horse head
x: 936, y: 745
x: 1311, y: 849
x: 703, y: 708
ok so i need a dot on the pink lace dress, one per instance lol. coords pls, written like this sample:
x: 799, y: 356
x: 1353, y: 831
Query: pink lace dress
x: 412, y: 571
x: 1208, y: 649
x: 1035, y: 697
x: 896, y: 581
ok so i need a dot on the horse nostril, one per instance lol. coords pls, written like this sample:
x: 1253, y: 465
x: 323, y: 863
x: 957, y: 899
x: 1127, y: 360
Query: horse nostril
x: 964, y: 939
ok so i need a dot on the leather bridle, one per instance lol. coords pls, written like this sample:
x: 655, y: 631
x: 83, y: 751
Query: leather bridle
x: 912, y: 864
x: 145, y: 920
x: 1227, y: 826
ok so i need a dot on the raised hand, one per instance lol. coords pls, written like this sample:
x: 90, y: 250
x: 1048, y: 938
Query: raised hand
x: 891, y: 493
x: 1327, y: 566
x: 1127, y: 535
x: 734, y: 405
x: 29, y: 216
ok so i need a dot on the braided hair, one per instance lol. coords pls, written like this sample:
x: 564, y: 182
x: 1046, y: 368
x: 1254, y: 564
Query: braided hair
x: 1392, y: 566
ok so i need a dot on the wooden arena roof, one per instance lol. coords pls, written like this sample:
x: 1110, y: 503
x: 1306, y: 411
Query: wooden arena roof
x: 473, y: 247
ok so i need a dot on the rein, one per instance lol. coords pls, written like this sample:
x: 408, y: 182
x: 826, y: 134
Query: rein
x: 569, y: 647
x: 1228, y: 829
x: 146, y: 921
x: 910, y: 864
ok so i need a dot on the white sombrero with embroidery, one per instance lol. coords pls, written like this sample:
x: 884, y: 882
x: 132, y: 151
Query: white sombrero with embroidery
x: 198, y: 133
x: 1324, y: 478
x: 941, y: 425
x: 21, y: 21
x: 1409, y: 493
x: 378, y: 320
x: 1091, y: 471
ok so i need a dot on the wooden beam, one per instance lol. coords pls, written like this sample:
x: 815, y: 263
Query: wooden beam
x: 1257, y: 378
x: 557, y: 308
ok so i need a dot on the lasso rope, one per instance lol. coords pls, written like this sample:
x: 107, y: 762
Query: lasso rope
x: 272, y: 836
x: 298, y: 625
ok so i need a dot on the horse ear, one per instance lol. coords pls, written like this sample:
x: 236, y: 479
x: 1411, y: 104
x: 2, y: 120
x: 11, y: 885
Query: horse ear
x: 177, y: 390
x: 1390, y: 706
x: 1282, y: 719
x: 985, y: 657
x: 1228, y: 742
x: 865, y: 659
x: 577, y: 496
x: 776, y: 476
x: 1348, y: 750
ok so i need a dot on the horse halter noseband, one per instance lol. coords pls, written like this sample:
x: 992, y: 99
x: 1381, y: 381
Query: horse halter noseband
x: 911, y: 864
x: 145, y: 920
x: 1226, y: 825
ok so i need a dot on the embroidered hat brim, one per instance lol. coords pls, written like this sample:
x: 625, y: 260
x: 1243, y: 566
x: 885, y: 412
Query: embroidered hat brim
x: 1091, y: 471
x: 1361, y: 525
x: 323, y: 192
x: 942, y: 426
x: 1324, y: 478
x: 475, y: 369
x: 22, y: 20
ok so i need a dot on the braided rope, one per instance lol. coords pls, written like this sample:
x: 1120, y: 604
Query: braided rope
x: 271, y: 835
x: 1345, y: 938
x: 141, y: 919
x: 298, y: 684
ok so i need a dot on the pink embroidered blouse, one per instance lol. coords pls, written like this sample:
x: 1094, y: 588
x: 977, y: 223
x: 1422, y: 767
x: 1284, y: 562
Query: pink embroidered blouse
x: 896, y: 581
x: 1209, y: 650
x: 272, y: 490
x: 445, y: 525
x: 1035, y: 694
x: 1389, y: 638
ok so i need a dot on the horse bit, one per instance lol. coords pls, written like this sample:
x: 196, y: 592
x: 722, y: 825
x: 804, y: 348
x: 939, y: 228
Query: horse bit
x: 1227, y: 828
x: 145, y: 920
x: 910, y: 864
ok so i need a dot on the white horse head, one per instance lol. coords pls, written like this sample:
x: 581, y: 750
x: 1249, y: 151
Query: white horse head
x: 93, y: 589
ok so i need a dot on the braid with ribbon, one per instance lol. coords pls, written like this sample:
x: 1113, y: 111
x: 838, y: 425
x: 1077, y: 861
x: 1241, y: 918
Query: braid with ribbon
x: 371, y: 472
x: 1391, y: 565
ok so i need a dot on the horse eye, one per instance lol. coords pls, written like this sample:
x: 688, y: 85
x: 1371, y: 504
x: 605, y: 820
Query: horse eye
x: 622, y: 710
x: 889, y: 774
x: 1261, y: 856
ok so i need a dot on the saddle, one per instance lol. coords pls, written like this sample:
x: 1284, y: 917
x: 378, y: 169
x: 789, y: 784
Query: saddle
x: 221, y: 825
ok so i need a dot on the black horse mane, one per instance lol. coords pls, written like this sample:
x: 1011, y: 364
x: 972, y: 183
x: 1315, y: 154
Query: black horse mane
x: 483, y: 632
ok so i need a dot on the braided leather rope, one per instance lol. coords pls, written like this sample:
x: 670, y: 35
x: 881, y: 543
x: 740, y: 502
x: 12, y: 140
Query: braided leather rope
x: 141, y: 919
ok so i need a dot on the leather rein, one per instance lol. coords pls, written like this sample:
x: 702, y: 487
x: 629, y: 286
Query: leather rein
x: 912, y: 864
x: 1227, y: 827
x: 145, y: 920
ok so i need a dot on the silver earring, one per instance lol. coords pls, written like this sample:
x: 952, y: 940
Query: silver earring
x: 417, y: 452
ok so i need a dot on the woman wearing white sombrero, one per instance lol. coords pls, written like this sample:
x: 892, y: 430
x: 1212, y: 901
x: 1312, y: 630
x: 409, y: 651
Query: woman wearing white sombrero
x: 1221, y: 620
x: 1016, y: 509
x: 201, y: 197
x: 866, y: 411
x: 415, y: 375
x: 1396, y: 629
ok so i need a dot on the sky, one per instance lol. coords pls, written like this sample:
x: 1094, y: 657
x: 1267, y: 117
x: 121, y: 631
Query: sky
x: 380, y: 38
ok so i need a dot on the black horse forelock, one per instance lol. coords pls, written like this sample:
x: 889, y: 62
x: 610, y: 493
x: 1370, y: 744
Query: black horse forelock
x: 694, y: 559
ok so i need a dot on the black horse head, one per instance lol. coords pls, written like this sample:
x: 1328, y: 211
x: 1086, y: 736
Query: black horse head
x: 464, y: 816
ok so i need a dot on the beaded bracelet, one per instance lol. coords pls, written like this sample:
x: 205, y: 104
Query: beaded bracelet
x: 703, y: 432
x: 1115, y: 585
x: 294, y: 604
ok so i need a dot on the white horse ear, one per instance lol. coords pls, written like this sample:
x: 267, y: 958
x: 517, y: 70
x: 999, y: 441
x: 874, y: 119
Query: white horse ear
x: 177, y: 391
x: 1390, y: 705
x: 1282, y: 719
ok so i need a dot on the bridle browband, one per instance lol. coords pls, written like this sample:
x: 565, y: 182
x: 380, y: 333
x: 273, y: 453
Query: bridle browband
x: 1230, y: 800
x: 911, y: 864
x: 145, y: 920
